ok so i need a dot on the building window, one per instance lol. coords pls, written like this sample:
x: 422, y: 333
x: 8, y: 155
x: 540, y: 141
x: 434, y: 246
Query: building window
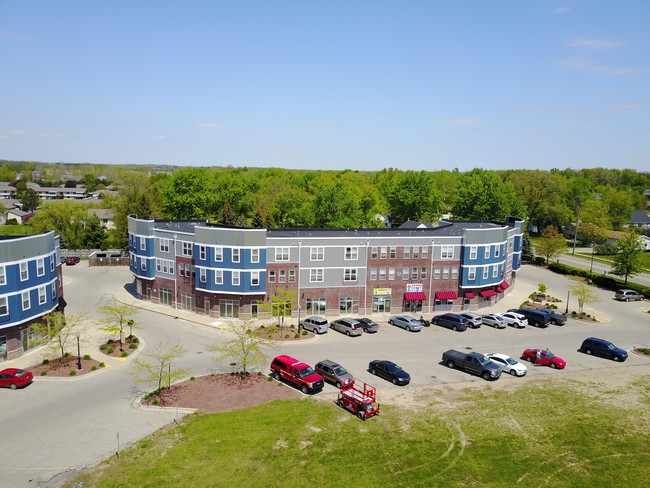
x: 405, y: 274
x: 203, y: 278
x: 54, y: 290
x: 351, y: 253
x: 407, y: 252
x: 373, y: 274
x: 235, y: 254
x: 384, y: 252
x: 423, y: 273
x: 164, y: 245
x: 158, y: 265
x: 414, y: 274
x: 425, y: 252
x: 436, y: 273
x: 25, y: 297
x: 143, y: 244
x: 447, y: 252
x: 3, y: 276
x: 271, y: 276
x: 52, y: 259
x: 374, y: 252
x: 445, y: 272
x: 497, y: 250
x: 495, y: 271
x: 382, y: 273
x: 187, y: 248
x: 41, y: 295
x: 235, y: 278
x: 393, y: 252
x: 292, y: 276
x: 282, y: 254
x: 486, y: 272
x: 473, y: 252
x: 487, y: 252
x: 316, y: 275
x: 40, y: 266
x: 255, y: 278
x: 218, y: 254
x: 218, y: 276
x: 282, y: 277
x: 416, y: 252
x: 202, y: 253
x: 454, y: 273
x: 391, y: 273
x: 24, y: 272
x: 317, y: 253
x: 471, y: 273
x: 350, y: 274
x: 255, y: 255
x: 143, y: 264
x: 4, y: 309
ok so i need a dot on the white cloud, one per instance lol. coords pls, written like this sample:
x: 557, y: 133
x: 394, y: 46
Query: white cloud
x: 12, y: 134
x: 209, y: 125
x: 588, y: 65
x: 462, y: 121
x: 596, y: 44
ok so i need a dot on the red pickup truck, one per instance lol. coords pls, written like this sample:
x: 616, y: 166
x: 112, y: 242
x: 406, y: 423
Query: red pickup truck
x: 296, y: 372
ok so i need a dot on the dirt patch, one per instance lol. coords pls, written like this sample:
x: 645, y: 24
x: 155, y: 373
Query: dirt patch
x: 284, y: 333
x: 62, y: 367
x: 224, y: 392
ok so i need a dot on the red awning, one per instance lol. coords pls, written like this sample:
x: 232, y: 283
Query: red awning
x: 499, y: 289
x: 415, y: 295
x: 446, y: 295
x: 504, y: 284
x: 469, y: 295
x: 487, y: 293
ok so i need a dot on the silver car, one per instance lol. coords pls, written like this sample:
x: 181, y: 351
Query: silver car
x: 315, y: 324
x: 474, y: 320
x: 334, y: 373
x: 495, y: 320
x: 406, y: 322
x: 349, y: 327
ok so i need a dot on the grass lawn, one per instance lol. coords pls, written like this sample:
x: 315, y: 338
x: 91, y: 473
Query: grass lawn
x: 565, y: 433
x: 645, y: 259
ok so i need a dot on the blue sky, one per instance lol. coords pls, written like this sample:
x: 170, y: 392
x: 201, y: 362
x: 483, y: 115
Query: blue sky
x: 327, y: 84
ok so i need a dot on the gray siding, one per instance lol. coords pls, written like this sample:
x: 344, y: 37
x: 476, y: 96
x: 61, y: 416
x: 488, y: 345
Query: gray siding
x: 18, y: 248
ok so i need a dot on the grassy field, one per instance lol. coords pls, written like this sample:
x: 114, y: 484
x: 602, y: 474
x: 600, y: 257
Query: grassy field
x: 645, y: 259
x: 541, y: 434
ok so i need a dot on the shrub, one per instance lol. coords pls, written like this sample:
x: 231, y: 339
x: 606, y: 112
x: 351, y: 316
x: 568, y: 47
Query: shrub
x: 304, y: 332
x: 269, y: 378
x: 102, y: 365
x: 286, y: 336
x: 133, y: 346
x: 154, y: 401
x: 66, y: 355
x: 46, y: 361
x: 192, y: 378
x: 72, y: 373
x: 86, y: 357
x: 103, y: 347
x: 233, y: 373
x: 43, y: 373
x: 94, y: 368
x: 259, y: 373
x: 292, y: 326
x: 136, y: 340
x: 124, y: 354
x: 296, y: 335
x: 109, y: 351
x: 644, y: 350
x: 110, y: 341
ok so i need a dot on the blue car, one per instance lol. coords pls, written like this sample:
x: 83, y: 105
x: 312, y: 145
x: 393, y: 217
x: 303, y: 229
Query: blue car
x: 406, y: 322
x: 389, y: 371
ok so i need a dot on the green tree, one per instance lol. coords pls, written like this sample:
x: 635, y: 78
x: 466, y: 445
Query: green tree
x: 94, y: 234
x: 551, y: 244
x: 483, y: 195
x: 414, y: 197
x: 189, y: 194
x: 594, y: 221
x: 30, y: 200
x: 628, y: 261
x: 280, y: 303
x: 245, y: 351
x: 584, y: 293
x: 65, y: 218
x: 57, y: 330
x: 155, y: 366
x: 117, y: 316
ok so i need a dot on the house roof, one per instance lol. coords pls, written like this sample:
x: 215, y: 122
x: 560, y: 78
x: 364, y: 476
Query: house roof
x: 639, y: 217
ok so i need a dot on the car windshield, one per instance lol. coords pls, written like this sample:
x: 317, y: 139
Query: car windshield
x: 19, y: 373
x: 394, y: 368
x: 611, y: 346
x: 484, y: 360
x: 340, y: 371
x: 308, y: 371
x: 548, y: 354
x: 498, y: 317
x: 511, y: 361
x: 369, y: 322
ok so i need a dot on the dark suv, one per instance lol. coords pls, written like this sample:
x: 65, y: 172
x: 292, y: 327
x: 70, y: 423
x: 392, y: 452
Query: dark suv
x: 603, y: 348
x: 535, y: 317
x: 556, y: 317
x: 452, y: 321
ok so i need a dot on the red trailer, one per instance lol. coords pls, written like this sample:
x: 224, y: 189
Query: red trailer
x: 359, y: 398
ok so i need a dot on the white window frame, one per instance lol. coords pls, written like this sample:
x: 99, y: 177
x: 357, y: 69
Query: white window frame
x: 486, y: 272
x: 218, y: 276
x: 416, y: 252
x: 405, y: 273
x: 143, y: 244
x: 373, y: 274
x: 40, y: 267
x: 350, y: 275
x: 255, y: 255
x: 425, y: 252
x: 454, y: 273
x: 202, y: 253
x: 42, y: 295
x: 497, y: 250
x: 382, y: 274
x: 188, y: 248
x: 52, y: 262
x: 164, y: 245
x: 487, y: 252
x: 423, y: 273
x: 445, y: 272
x: 391, y: 274
x: 255, y: 278
x: 143, y: 264
x: 54, y: 290
x: 272, y: 277
x: 235, y: 254
x: 407, y: 252
x: 374, y: 252
x: 471, y: 273
x: 4, y: 306
x: 351, y: 253
x: 436, y: 273
x: 24, y: 271
x: 25, y: 299
x: 317, y: 253
x: 383, y: 252
x: 282, y: 254
x: 292, y: 276
x: 392, y: 252
x: 473, y: 252
x: 236, y: 278
x: 446, y: 252
x: 495, y: 271
x: 282, y: 276
x: 203, y: 275
x: 316, y: 275
x: 414, y: 273
x: 218, y: 254
x: 3, y: 275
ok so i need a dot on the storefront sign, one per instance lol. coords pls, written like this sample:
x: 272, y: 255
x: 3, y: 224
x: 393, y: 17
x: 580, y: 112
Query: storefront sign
x: 381, y: 291
x: 413, y: 287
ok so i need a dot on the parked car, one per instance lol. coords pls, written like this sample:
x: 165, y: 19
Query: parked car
x: 628, y: 295
x: 347, y: 326
x: 368, y: 325
x: 297, y: 373
x: 557, y: 318
x: 474, y: 320
x: 472, y: 362
x: 72, y: 260
x: 495, y: 320
x: 603, y: 348
x: 334, y: 373
x: 315, y: 324
x: 452, y: 321
x: 15, y: 378
x: 405, y: 322
x: 389, y: 371
x: 535, y: 317
x: 508, y: 364
x: 515, y: 319
x: 543, y: 357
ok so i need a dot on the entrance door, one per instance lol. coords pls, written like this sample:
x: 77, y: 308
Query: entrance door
x: 148, y: 293
x: 254, y: 308
x: 206, y: 305
x: 165, y: 296
x: 187, y: 301
x: 381, y: 304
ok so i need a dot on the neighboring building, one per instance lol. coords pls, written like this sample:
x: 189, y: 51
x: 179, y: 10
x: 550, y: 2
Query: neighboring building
x: 30, y: 287
x: 227, y: 271
x: 46, y: 192
x: 20, y: 216
x: 639, y: 219
x: 105, y: 215
x: 645, y: 242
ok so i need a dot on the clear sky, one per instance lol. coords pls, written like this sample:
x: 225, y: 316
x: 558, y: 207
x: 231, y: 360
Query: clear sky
x: 330, y: 84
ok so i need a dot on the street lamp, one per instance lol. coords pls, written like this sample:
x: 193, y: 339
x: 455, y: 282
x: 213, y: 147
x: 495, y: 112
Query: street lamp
x: 593, y: 250
x: 78, y: 353
x: 568, y: 295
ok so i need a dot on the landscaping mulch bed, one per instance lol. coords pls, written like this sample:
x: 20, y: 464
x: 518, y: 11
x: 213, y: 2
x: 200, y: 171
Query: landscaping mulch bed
x: 223, y: 392
x: 62, y: 367
x: 284, y: 333
x: 112, y: 347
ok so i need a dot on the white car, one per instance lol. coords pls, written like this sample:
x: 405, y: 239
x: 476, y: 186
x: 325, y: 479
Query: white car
x: 508, y: 365
x: 495, y: 320
x: 515, y: 319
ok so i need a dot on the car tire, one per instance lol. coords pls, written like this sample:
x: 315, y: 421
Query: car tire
x: 304, y: 389
x: 13, y: 386
x: 276, y: 375
x: 451, y: 364
x: 391, y: 322
x: 373, y: 372
x: 347, y: 333
x: 454, y: 328
x: 434, y: 322
x: 529, y: 359
x: 408, y: 329
x: 617, y: 358
x: 338, y: 385
x: 627, y: 299
x: 588, y: 352
x: 486, y: 376
x: 552, y: 365
x: 513, y: 372
x: 395, y: 381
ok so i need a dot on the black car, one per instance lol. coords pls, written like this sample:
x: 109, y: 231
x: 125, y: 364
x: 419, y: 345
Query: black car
x: 368, y: 325
x: 603, y: 348
x: 389, y: 371
x: 556, y: 317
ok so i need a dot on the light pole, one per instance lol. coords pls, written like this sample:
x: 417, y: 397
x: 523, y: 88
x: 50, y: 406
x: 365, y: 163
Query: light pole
x: 593, y: 249
x: 78, y: 353
x: 567, y: 302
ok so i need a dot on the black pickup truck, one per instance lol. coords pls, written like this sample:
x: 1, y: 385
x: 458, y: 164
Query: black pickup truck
x: 472, y: 362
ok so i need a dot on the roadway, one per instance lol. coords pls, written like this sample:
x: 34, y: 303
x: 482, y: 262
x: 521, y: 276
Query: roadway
x: 598, y: 267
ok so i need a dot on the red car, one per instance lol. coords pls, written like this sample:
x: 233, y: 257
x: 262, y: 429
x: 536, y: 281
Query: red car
x: 543, y: 357
x: 72, y: 260
x: 14, y: 377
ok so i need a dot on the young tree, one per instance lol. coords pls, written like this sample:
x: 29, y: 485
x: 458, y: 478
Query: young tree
x: 30, y: 200
x: 117, y: 318
x: 584, y: 294
x: 280, y: 303
x: 58, y: 329
x: 157, y: 370
x: 245, y: 351
x: 551, y: 244
x: 627, y: 260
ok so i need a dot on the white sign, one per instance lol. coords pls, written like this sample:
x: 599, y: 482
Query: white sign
x: 413, y: 287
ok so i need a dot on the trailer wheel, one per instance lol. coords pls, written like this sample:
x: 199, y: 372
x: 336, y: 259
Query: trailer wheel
x: 361, y: 415
x: 341, y: 403
x: 451, y: 364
